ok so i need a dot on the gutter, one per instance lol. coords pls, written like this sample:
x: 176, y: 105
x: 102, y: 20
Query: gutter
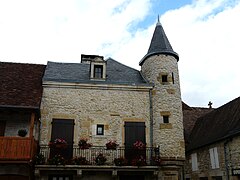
x: 225, y: 157
x: 151, y: 118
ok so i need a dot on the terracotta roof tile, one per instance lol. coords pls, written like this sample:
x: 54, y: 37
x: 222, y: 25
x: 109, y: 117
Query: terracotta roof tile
x: 20, y: 84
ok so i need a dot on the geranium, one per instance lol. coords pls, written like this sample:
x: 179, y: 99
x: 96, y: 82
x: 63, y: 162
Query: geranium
x: 111, y: 145
x: 139, y: 161
x: 139, y: 145
x: 58, y: 143
x: 57, y: 160
x: 83, y: 144
x: 80, y: 161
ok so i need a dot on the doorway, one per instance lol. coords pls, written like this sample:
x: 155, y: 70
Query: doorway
x: 63, y: 128
x: 134, y: 131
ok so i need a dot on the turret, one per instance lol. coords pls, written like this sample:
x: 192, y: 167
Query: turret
x: 160, y: 67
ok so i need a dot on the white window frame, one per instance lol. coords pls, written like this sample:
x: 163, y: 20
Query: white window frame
x: 214, y: 158
x: 194, y: 162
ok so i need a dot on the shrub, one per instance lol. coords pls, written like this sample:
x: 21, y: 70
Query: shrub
x: 80, y: 161
x: 100, y: 159
x: 22, y: 132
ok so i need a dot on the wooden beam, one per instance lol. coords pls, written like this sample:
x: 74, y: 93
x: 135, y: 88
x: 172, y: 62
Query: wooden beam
x: 32, y: 124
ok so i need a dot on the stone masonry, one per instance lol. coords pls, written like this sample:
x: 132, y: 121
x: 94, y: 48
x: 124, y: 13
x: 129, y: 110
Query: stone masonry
x: 166, y: 100
x: 91, y: 106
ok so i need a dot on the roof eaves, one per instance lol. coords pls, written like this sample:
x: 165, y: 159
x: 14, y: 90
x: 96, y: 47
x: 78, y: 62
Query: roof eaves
x: 174, y: 54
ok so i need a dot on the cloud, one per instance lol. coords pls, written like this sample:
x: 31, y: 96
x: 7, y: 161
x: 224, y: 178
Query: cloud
x: 206, y: 35
x: 59, y: 30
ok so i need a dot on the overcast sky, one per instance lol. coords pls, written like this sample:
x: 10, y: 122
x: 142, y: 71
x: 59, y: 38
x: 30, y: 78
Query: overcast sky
x: 205, y: 34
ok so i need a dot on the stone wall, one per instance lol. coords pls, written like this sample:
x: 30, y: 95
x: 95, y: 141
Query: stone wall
x: 166, y: 101
x: 91, y: 106
x: 204, y: 163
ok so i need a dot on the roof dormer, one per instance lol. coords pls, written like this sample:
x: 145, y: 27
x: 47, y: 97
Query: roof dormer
x: 97, y: 66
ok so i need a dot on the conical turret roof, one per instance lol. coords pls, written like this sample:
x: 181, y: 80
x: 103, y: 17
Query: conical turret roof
x: 159, y: 44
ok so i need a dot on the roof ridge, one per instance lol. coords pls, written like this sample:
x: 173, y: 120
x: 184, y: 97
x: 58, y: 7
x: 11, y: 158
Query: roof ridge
x: 111, y: 59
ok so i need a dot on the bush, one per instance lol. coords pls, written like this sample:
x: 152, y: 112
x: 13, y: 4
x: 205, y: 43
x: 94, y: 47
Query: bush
x: 80, y: 161
x: 22, y: 132
x: 100, y: 159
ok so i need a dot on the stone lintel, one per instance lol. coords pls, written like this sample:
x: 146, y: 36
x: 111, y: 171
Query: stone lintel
x: 63, y: 116
x: 166, y: 126
x: 165, y: 113
x: 134, y: 119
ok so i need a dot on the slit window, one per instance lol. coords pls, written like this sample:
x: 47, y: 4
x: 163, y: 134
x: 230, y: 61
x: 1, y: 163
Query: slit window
x: 172, y: 78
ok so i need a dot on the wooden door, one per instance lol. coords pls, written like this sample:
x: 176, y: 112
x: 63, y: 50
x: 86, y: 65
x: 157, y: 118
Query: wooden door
x: 2, y: 127
x: 134, y: 131
x: 63, y: 128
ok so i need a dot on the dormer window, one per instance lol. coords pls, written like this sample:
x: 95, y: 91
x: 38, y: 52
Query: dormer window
x: 97, y: 67
x: 98, y: 71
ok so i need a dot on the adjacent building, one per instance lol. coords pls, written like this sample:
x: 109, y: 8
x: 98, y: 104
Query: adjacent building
x: 20, y: 98
x: 213, y: 150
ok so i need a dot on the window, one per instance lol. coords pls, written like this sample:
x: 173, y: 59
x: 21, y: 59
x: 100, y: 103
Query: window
x: 165, y: 119
x: 164, y: 78
x: 98, y: 71
x: 2, y: 127
x: 194, y: 162
x: 214, y: 158
x: 100, y: 129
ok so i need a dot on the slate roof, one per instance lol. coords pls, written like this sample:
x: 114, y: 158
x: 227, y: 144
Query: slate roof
x: 116, y: 72
x: 221, y: 123
x: 190, y: 116
x: 20, y: 85
x: 159, y: 44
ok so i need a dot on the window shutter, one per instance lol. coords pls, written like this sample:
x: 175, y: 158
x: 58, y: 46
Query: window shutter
x: 94, y: 129
x: 212, y: 158
x: 194, y: 162
x: 216, y: 157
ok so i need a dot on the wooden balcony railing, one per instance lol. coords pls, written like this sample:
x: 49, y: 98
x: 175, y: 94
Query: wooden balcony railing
x: 17, y: 148
x: 150, y: 154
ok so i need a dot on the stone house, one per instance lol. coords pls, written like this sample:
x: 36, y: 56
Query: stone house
x: 213, y: 150
x: 20, y: 97
x: 103, y: 100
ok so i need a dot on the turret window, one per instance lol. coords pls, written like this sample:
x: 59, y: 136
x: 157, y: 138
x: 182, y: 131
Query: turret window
x: 165, y: 119
x: 165, y: 116
x: 164, y: 78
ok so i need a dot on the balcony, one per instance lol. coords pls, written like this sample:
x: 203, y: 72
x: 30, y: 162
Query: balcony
x: 17, y: 149
x: 150, y: 155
